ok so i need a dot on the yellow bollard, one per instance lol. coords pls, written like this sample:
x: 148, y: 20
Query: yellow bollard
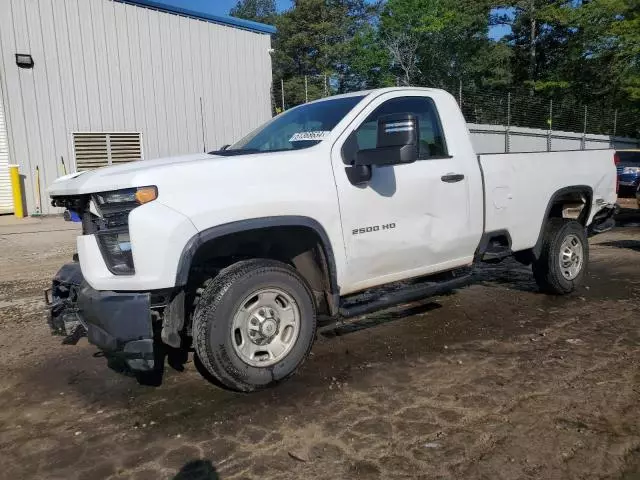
x: 16, y: 187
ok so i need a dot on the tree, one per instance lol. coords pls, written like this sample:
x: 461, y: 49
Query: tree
x: 576, y: 52
x: 323, y: 38
x: 367, y: 62
x: 580, y: 48
x: 538, y: 39
x: 445, y: 41
x: 403, y: 50
x: 610, y: 33
x: 255, y: 10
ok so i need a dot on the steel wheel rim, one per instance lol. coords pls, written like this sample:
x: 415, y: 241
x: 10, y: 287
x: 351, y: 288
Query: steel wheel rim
x: 265, y: 327
x: 571, y: 257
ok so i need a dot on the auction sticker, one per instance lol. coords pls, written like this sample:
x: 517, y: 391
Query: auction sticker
x: 309, y: 136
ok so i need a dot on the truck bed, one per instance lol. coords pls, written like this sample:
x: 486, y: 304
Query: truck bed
x: 519, y: 186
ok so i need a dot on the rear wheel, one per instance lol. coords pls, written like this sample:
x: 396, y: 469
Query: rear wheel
x: 563, y: 259
x: 254, y: 324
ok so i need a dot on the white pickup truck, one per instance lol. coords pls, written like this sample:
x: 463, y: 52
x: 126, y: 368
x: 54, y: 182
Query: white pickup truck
x: 240, y: 254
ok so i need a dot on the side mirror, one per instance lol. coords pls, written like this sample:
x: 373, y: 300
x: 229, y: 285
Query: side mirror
x: 397, y: 142
x: 359, y: 174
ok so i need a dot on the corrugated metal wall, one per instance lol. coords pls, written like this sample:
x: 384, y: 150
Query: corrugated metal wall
x: 6, y: 199
x: 104, y: 66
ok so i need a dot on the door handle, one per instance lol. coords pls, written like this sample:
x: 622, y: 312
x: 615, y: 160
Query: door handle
x: 452, y: 177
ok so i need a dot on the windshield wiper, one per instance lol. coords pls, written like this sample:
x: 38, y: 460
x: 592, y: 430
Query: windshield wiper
x: 229, y: 153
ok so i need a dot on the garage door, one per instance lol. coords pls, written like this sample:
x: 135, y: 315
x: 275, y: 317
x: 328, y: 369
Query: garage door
x: 6, y: 200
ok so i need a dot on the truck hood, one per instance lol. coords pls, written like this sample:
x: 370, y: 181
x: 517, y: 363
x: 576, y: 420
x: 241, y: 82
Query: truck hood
x: 128, y: 175
x: 215, y: 189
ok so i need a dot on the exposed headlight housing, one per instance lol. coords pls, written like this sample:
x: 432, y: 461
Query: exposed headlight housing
x: 116, y: 251
x: 128, y: 196
x: 631, y: 170
x: 112, y: 225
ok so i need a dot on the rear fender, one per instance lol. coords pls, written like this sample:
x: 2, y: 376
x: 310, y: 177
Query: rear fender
x: 585, y: 214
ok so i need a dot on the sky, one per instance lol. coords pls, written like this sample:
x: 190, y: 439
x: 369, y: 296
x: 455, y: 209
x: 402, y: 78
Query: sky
x: 216, y: 7
x: 222, y: 7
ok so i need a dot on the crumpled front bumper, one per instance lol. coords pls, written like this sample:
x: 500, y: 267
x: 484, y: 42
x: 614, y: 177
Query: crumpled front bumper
x: 117, y: 323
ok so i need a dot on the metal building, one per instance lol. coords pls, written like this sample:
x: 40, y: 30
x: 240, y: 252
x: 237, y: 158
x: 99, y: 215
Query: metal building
x: 87, y: 83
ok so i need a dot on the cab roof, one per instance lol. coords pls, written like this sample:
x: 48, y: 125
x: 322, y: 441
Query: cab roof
x: 375, y: 92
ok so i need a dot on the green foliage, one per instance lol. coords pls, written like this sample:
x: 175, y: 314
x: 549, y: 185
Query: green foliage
x: 576, y: 52
x: 585, y: 48
x: 327, y: 37
x: 451, y: 36
x: 611, y: 34
x: 256, y: 10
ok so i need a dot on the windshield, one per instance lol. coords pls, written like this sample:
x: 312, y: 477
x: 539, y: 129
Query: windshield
x: 300, y: 127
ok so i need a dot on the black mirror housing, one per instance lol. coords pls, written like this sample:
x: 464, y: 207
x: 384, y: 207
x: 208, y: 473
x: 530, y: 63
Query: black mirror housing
x: 398, y: 138
x: 397, y: 129
x: 359, y: 174
x: 387, y: 155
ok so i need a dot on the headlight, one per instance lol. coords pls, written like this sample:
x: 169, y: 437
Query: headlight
x: 116, y: 251
x: 631, y: 170
x: 112, y: 225
x: 128, y: 196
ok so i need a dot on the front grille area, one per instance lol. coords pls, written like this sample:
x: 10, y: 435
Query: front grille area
x: 113, y: 238
x: 111, y: 228
x: 113, y: 217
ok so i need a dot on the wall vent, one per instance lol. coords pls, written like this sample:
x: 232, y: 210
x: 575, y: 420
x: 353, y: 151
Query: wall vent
x: 95, y: 150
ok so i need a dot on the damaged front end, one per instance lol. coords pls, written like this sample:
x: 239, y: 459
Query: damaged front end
x: 134, y: 330
x: 119, y: 324
x: 62, y: 300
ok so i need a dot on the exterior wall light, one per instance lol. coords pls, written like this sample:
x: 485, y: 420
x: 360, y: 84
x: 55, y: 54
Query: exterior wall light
x: 24, y: 60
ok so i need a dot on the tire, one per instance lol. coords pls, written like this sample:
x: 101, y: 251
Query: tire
x: 548, y: 269
x: 266, y: 293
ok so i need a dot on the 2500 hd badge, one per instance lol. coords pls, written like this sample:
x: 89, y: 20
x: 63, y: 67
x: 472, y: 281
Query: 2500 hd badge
x: 375, y: 228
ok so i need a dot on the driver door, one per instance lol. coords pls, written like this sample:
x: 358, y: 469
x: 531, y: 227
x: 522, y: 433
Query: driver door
x: 409, y: 219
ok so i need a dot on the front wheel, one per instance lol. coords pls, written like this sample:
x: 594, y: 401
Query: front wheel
x: 254, y: 324
x: 563, y: 259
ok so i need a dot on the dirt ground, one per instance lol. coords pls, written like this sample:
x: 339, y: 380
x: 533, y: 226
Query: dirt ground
x: 494, y: 382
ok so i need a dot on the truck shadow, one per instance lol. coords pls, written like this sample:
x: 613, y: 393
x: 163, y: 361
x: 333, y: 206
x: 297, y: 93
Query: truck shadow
x: 165, y: 357
x: 197, y: 470
x: 628, y: 244
x: 507, y: 273
x: 337, y: 353
x: 628, y: 217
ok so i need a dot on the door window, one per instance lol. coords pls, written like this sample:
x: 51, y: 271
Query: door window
x: 432, y: 143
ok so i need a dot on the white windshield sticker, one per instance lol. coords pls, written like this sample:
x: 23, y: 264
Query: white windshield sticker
x: 309, y: 136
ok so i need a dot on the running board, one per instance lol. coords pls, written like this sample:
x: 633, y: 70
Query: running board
x: 404, y: 294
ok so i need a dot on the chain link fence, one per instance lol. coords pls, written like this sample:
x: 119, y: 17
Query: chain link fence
x: 505, y: 108
x: 292, y: 91
x: 559, y: 114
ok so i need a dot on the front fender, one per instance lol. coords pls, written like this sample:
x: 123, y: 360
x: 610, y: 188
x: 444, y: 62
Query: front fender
x: 158, y: 236
x: 190, y: 249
